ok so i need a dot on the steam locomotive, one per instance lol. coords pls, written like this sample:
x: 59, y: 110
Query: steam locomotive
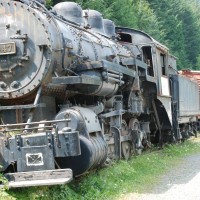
x: 76, y: 93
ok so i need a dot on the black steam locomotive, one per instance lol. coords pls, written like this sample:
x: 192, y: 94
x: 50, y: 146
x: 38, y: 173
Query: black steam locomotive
x: 76, y: 92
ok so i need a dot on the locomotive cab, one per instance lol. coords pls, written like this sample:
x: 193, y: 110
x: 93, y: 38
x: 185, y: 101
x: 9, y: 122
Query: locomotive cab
x: 158, y: 61
x: 171, y: 107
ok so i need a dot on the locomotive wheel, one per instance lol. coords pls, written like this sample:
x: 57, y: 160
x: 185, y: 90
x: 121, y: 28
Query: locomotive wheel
x: 126, y: 150
x: 125, y: 146
x: 134, y: 126
x: 124, y: 128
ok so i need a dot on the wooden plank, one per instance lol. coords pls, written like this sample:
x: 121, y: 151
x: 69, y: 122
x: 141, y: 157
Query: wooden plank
x: 39, y: 182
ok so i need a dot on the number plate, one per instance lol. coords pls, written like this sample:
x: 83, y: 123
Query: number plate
x: 35, y: 159
x: 7, y: 48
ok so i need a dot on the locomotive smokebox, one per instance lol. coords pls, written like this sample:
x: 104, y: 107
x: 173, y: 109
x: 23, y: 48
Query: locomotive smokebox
x: 26, y: 59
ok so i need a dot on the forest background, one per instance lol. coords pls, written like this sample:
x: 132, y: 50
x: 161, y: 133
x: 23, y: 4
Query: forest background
x: 174, y: 23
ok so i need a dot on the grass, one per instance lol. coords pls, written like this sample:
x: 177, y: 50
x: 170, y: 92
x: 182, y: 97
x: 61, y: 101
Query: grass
x: 136, y: 175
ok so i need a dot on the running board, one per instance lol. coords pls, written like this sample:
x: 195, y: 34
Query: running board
x: 39, y: 178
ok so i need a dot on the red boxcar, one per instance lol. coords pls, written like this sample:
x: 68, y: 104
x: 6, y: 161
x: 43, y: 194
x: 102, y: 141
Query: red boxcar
x: 192, y: 74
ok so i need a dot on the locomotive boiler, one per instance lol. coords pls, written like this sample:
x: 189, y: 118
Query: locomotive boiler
x: 77, y: 93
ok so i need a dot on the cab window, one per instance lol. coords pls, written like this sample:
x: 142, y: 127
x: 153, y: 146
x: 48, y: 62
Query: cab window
x: 163, y: 63
x: 124, y: 37
x: 147, y: 58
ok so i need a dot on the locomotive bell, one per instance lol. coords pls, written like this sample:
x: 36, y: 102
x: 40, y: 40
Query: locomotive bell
x: 94, y: 20
x: 70, y: 11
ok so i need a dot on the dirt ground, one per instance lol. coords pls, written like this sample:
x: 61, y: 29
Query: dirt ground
x: 180, y: 183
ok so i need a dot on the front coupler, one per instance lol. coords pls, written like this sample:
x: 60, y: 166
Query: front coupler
x: 31, y: 157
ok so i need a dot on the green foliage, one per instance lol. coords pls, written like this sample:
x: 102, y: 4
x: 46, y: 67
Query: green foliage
x: 181, y: 21
x: 4, y: 188
x: 49, y: 3
x: 198, y: 62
